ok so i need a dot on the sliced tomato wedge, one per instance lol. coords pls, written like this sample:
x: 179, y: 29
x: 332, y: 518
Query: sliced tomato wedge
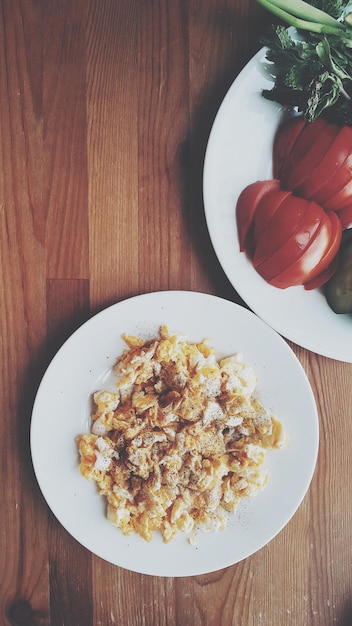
x: 246, y: 206
x: 333, y: 247
x: 329, y: 164
x: 284, y: 140
x: 284, y: 223
x: 323, y: 277
x: 301, y: 270
x: 310, y: 133
x: 303, y: 160
x: 342, y: 199
x: 306, y: 138
x: 292, y: 249
x: 335, y: 183
x: 267, y: 208
x: 291, y: 238
x: 345, y: 216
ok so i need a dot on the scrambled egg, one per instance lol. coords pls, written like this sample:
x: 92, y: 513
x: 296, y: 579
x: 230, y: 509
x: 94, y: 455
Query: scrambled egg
x: 181, y: 441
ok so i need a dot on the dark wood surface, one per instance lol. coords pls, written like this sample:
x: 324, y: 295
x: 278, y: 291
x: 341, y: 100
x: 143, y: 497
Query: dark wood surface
x: 105, y: 111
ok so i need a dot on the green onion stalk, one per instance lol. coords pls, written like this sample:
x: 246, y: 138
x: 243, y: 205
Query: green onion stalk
x: 304, y: 16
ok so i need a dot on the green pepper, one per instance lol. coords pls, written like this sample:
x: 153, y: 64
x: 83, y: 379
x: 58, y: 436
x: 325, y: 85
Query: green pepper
x: 339, y: 287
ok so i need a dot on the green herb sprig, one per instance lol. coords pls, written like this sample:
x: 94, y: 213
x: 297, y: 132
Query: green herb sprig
x: 313, y: 72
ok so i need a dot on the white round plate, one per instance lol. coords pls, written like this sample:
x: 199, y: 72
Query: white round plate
x: 239, y: 152
x: 83, y: 365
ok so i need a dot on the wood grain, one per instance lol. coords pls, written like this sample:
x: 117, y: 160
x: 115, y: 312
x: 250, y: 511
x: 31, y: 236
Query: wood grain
x: 112, y: 151
x: 24, y: 558
x: 64, y: 139
x: 105, y: 112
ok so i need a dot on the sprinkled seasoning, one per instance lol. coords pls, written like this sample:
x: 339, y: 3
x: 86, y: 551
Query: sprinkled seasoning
x: 182, y: 440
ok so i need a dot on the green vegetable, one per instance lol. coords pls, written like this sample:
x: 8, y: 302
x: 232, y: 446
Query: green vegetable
x: 314, y: 20
x: 312, y: 72
x: 339, y: 287
x: 333, y: 7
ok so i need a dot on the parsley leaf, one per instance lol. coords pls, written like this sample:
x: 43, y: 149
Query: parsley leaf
x: 313, y: 75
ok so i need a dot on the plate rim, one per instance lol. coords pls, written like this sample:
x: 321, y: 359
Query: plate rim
x: 172, y: 294
x: 295, y: 335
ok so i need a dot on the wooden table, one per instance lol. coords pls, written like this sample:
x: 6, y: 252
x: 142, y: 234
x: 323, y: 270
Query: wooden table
x: 105, y: 111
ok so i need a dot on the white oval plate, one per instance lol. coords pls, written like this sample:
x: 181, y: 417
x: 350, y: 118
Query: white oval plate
x: 62, y: 411
x: 239, y: 152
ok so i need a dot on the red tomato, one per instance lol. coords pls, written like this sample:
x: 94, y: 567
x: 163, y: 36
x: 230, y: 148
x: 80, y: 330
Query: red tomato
x: 341, y: 199
x: 301, y: 164
x: 303, y: 142
x: 328, y: 166
x: 310, y: 133
x: 332, y: 249
x: 328, y: 264
x: 281, y: 228
x: 315, y: 161
x: 292, y: 238
x: 345, y: 216
x: 284, y: 139
x: 247, y: 203
x: 266, y: 209
x: 302, y: 269
x: 323, y: 277
x: 335, y: 183
x: 291, y: 249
